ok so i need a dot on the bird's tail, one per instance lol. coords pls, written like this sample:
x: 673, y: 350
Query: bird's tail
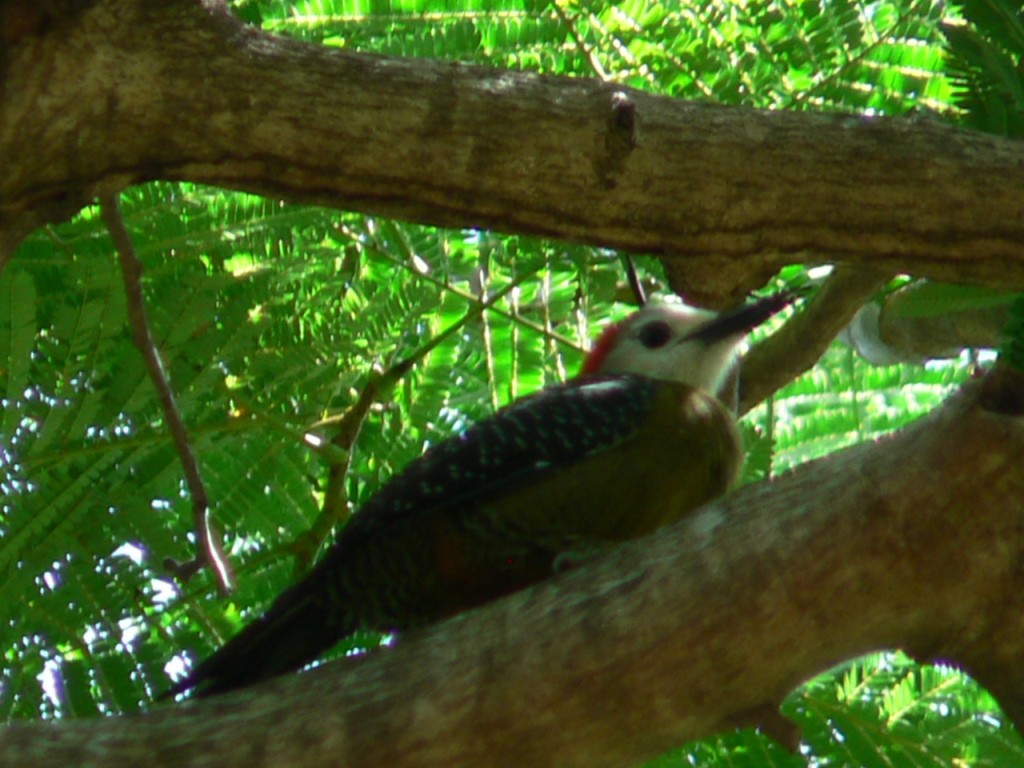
x: 290, y: 634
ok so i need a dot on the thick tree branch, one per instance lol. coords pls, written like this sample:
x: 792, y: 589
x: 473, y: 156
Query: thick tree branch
x: 729, y: 194
x: 910, y: 543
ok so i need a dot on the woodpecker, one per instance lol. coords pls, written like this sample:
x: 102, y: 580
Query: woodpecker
x: 635, y: 442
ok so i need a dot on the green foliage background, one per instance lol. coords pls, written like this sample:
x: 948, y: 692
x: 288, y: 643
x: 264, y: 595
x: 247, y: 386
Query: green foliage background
x: 272, y: 317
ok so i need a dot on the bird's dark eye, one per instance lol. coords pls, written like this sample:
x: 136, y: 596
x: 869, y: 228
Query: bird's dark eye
x: 655, y: 335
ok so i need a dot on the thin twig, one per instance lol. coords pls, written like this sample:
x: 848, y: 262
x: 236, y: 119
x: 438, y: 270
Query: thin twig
x: 209, y: 548
x: 374, y: 246
x: 488, y: 339
x: 348, y: 424
x: 588, y: 53
x: 634, y: 279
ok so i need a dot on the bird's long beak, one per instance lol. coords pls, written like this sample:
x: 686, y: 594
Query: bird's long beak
x: 739, y: 321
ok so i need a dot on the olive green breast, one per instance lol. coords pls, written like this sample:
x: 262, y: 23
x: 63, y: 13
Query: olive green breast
x: 686, y: 453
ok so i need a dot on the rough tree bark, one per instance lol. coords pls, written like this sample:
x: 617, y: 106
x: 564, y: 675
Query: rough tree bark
x: 121, y: 91
x: 697, y: 628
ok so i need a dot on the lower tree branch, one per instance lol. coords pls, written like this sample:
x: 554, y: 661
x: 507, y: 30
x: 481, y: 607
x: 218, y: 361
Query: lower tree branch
x: 913, y: 542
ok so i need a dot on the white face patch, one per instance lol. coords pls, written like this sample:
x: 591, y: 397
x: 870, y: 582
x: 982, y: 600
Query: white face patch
x: 655, y: 344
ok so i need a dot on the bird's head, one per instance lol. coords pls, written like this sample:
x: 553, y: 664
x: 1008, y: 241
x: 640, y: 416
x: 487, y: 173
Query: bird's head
x: 675, y: 342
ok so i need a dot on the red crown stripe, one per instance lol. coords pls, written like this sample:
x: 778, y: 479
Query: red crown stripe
x: 595, y: 358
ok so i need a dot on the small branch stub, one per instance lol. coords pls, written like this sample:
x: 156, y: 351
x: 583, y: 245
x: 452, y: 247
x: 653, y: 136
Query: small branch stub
x: 620, y: 139
x: 624, y: 115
